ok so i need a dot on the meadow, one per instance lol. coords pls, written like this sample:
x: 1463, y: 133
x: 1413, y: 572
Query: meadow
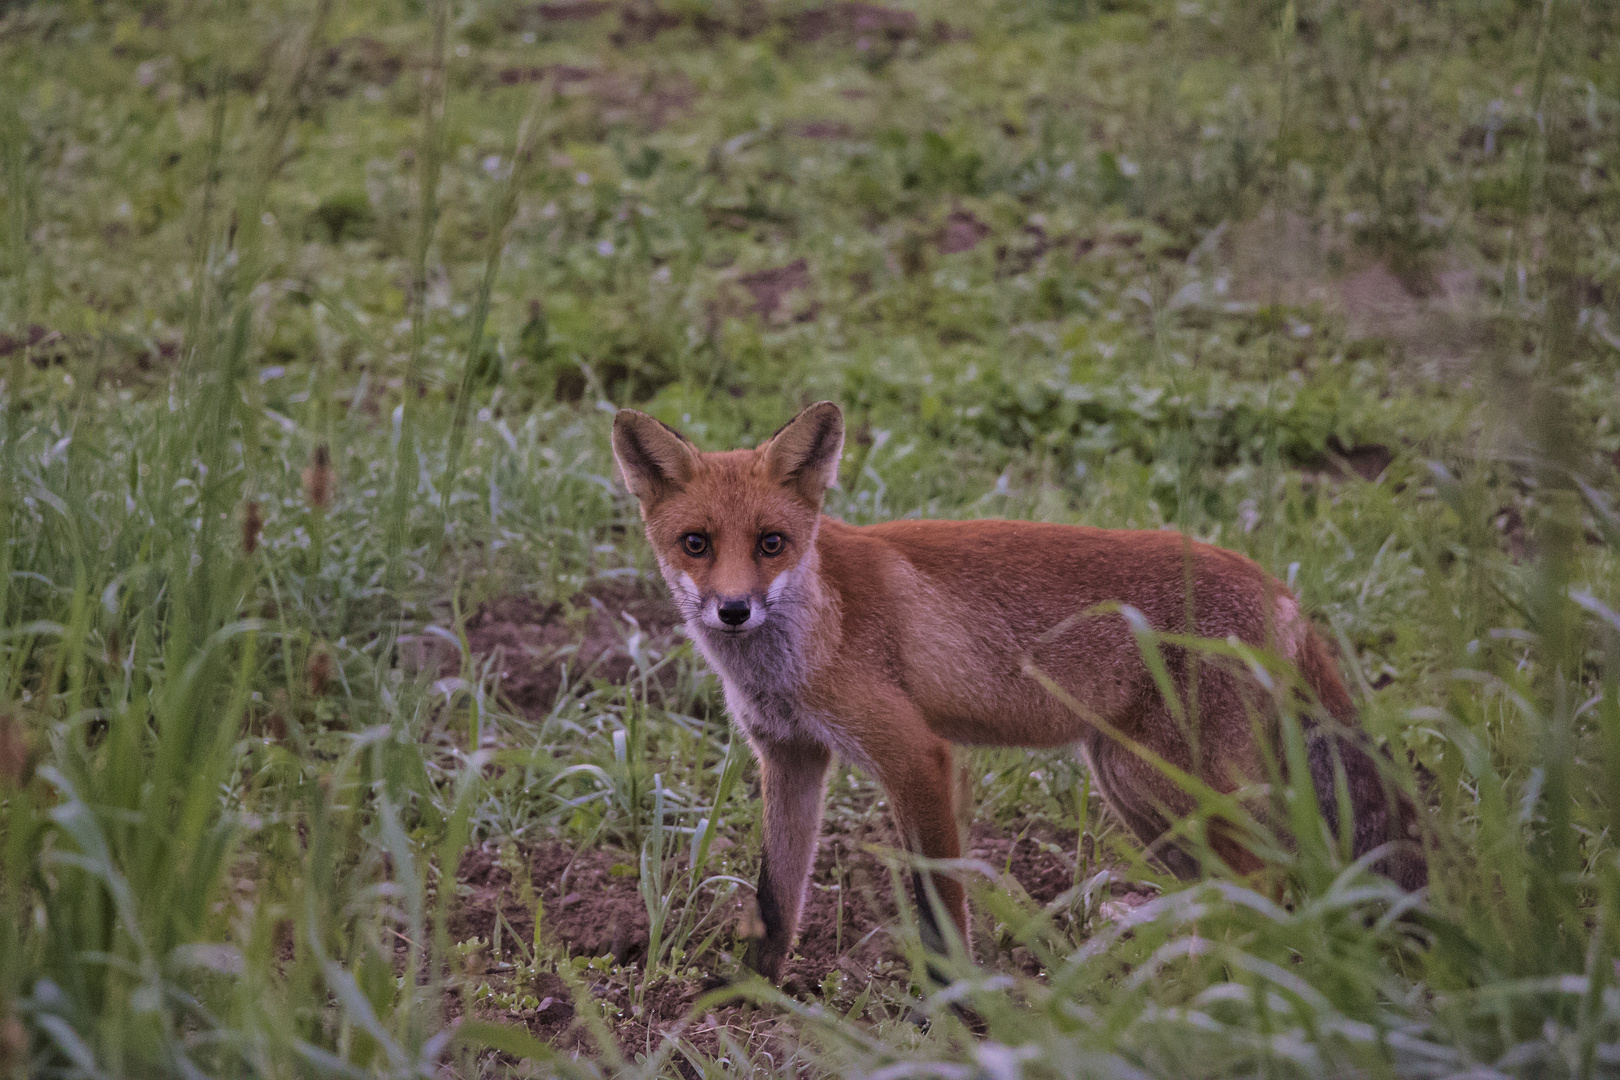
x: 345, y: 726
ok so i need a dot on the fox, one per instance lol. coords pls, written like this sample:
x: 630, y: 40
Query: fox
x: 890, y: 645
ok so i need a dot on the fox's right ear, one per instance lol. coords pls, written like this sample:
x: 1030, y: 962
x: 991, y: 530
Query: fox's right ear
x: 653, y: 458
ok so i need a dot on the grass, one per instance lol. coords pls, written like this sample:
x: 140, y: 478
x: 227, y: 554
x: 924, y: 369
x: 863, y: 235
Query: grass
x: 1333, y: 284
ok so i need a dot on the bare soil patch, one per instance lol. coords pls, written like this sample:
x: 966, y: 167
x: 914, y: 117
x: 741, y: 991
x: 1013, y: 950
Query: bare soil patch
x: 648, y: 100
x: 1026, y: 857
x: 654, y: 100
x: 1366, y: 460
x: 1022, y: 251
x: 535, y: 646
x: 866, y: 27
x: 781, y: 294
x: 570, y: 11
x: 851, y: 22
x: 562, y: 74
x: 819, y: 129
x: 592, y: 907
x: 46, y: 347
x: 1340, y: 463
x: 961, y: 232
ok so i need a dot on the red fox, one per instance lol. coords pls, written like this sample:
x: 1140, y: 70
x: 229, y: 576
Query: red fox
x: 889, y: 643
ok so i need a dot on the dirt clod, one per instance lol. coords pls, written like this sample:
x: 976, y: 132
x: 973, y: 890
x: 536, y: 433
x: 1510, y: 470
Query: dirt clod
x: 961, y: 232
x: 643, y: 99
x: 819, y: 129
x: 1366, y: 460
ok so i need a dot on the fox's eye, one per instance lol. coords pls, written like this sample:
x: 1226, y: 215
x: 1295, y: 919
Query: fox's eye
x: 696, y: 544
x: 771, y: 544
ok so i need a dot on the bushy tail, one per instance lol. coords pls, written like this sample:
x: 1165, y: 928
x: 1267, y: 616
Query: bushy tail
x: 1383, y: 813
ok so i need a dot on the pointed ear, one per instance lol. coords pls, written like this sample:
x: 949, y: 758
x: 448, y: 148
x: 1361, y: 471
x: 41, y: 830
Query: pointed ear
x: 804, y: 454
x: 653, y: 458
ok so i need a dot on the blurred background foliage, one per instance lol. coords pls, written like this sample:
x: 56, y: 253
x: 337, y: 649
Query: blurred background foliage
x: 311, y: 319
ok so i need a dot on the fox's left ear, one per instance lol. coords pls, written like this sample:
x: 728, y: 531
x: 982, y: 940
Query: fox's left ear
x: 804, y: 454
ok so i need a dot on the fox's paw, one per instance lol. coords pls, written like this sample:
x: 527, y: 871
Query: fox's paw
x: 767, y: 958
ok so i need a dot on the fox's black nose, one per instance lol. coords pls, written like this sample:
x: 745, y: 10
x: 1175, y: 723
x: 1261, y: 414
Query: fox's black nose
x: 734, y: 612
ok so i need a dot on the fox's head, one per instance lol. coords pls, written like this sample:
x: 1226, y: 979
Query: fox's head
x: 732, y: 530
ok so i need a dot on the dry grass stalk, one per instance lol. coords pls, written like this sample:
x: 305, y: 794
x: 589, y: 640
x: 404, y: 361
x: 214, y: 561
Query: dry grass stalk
x: 318, y: 672
x: 320, y: 479
x: 252, y: 526
x: 16, y: 754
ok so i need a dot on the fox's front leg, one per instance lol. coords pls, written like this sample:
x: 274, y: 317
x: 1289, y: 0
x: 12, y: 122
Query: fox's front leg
x: 916, y: 771
x: 793, y: 776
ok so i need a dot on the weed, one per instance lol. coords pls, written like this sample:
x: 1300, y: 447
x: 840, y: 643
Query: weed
x: 310, y: 321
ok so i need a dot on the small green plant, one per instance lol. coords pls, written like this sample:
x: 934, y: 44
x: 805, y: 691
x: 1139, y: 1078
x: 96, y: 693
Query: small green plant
x: 311, y: 317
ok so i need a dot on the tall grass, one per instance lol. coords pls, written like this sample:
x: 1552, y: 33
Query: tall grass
x: 181, y: 895
x: 231, y: 813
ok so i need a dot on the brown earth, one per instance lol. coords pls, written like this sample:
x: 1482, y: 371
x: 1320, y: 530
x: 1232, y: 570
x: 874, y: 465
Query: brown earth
x: 1340, y: 463
x: 121, y: 359
x: 780, y: 294
x: 961, y: 232
x: 647, y: 99
x: 1022, y: 251
x: 1366, y: 460
x: 360, y: 60
x: 534, y: 646
x: 561, y: 74
x: 592, y: 907
x: 571, y: 11
x: 863, y: 26
x: 853, y: 23
x: 46, y: 347
x: 819, y: 129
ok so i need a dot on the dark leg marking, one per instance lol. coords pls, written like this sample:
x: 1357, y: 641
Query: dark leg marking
x: 933, y: 938
x: 770, y: 952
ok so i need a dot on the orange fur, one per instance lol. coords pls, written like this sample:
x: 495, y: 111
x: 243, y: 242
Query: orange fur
x: 889, y: 643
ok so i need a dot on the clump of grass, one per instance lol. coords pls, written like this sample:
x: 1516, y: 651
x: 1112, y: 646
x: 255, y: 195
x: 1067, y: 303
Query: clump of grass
x: 231, y: 811
x: 182, y: 898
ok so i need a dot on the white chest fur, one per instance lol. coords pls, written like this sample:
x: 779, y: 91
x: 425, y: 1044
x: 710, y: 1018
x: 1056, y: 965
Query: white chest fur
x: 766, y: 672
x: 763, y: 676
x: 766, y: 678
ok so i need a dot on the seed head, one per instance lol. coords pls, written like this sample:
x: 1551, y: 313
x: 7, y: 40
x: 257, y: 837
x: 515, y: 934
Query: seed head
x: 275, y: 726
x: 15, y: 753
x: 320, y: 481
x: 318, y: 671
x: 252, y: 525
x: 13, y: 1044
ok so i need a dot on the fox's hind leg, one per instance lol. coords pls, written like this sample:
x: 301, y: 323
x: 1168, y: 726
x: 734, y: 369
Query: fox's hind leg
x: 793, y: 776
x: 1131, y: 789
